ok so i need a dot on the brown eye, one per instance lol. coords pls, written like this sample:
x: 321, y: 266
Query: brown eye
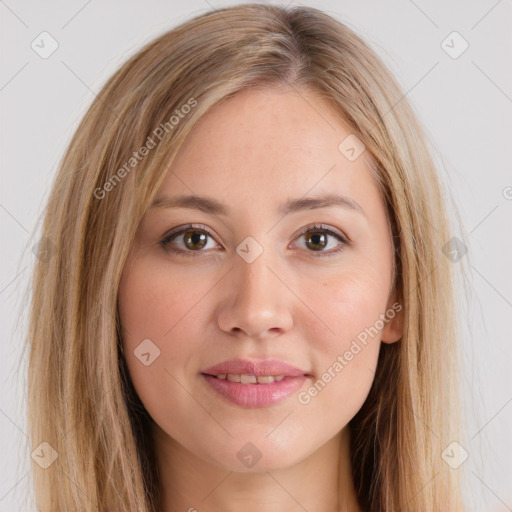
x: 316, y: 240
x: 322, y: 240
x: 194, y: 239
x: 189, y: 241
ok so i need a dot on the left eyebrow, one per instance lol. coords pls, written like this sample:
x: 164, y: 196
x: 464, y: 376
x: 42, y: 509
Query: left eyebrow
x: 312, y: 203
x: 212, y: 206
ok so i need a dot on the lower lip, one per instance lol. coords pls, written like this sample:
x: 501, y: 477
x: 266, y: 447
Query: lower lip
x: 255, y: 395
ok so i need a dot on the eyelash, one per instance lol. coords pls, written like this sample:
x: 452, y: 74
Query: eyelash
x: 165, y: 242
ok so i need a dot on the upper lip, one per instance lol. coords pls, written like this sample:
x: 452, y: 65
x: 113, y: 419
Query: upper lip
x: 257, y: 368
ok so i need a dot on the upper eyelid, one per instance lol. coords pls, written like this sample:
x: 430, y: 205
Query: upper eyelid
x: 180, y: 229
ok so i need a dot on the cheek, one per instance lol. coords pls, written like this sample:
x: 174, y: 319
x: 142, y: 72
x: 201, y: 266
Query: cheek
x: 347, y: 336
x: 153, y: 302
x: 158, y: 306
x: 346, y: 305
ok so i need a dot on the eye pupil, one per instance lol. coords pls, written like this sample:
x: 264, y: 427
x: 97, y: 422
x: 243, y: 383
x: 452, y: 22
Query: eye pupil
x: 195, y: 237
x: 317, y: 238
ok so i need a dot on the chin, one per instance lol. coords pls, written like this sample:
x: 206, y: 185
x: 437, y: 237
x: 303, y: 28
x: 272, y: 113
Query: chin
x: 244, y: 456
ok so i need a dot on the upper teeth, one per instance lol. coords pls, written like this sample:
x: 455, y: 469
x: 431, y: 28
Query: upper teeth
x: 250, y: 379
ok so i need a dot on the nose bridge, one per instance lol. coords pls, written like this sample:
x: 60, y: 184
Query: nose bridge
x: 257, y: 302
x: 255, y: 281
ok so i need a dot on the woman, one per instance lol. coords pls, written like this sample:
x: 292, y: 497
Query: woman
x: 247, y: 301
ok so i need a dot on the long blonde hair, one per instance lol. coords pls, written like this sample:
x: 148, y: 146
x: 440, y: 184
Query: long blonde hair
x: 80, y: 397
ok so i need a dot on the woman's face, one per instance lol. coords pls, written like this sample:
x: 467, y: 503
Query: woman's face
x: 269, y: 271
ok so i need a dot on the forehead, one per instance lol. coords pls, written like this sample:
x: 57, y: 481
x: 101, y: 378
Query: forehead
x: 267, y: 144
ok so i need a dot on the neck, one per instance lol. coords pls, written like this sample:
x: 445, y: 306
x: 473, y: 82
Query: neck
x: 321, y: 482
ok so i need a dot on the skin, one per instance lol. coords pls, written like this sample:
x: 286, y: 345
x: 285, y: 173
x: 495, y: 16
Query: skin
x: 253, y: 152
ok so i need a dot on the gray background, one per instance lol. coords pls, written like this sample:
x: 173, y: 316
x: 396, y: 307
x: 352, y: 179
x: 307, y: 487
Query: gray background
x: 465, y: 103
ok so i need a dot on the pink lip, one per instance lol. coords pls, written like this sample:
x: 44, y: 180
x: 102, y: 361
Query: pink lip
x: 255, y: 395
x: 258, y: 368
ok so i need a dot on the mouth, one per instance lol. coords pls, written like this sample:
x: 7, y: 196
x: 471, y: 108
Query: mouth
x: 253, y: 368
x: 249, y: 379
x: 254, y: 383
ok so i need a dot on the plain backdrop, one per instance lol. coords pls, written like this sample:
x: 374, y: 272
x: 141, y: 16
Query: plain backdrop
x: 464, y: 101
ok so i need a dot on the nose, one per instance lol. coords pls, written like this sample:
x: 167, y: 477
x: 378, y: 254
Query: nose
x: 256, y: 303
